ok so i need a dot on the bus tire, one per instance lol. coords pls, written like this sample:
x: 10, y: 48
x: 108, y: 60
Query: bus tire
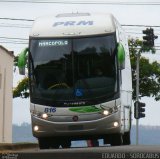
x: 55, y: 144
x: 107, y: 139
x: 66, y: 144
x: 95, y: 143
x: 47, y: 143
x: 126, y: 138
x: 43, y: 143
x: 116, y: 140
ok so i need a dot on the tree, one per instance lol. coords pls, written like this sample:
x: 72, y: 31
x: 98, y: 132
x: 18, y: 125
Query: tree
x: 149, y: 73
x: 22, y: 89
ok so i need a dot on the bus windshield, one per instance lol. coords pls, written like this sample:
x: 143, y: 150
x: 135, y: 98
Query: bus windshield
x: 73, y: 69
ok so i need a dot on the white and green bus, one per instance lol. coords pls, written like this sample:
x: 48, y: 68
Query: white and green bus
x: 79, y: 78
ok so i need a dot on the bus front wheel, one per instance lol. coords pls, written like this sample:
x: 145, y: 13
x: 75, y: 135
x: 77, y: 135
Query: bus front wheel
x: 47, y: 143
x: 126, y: 138
x: 43, y: 143
x: 116, y: 140
x: 66, y: 143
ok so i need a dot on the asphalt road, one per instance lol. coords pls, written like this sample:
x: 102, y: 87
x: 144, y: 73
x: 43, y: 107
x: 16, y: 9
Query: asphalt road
x: 130, y: 152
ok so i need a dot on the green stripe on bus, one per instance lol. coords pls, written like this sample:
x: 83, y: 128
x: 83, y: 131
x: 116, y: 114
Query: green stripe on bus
x: 85, y: 109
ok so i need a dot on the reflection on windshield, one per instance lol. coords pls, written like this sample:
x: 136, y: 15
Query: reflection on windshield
x: 69, y: 69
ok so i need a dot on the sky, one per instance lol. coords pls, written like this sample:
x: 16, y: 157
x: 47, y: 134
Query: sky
x: 16, y: 34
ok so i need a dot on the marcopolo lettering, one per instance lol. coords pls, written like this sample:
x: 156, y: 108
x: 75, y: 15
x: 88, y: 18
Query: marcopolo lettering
x: 52, y: 43
x: 72, y: 23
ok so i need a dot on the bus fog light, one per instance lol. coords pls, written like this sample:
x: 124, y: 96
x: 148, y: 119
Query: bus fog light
x: 44, y: 116
x: 36, y: 128
x: 115, y: 124
x: 106, y: 112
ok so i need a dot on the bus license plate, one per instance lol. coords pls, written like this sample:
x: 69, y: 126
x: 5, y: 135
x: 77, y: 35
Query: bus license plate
x: 75, y: 127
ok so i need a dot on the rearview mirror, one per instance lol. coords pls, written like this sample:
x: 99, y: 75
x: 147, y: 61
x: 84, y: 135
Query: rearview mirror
x: 121, y: 56
x: 22, y: 60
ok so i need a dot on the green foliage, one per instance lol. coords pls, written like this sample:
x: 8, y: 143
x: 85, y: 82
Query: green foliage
x: 22, y: 89
x: 149, y: 72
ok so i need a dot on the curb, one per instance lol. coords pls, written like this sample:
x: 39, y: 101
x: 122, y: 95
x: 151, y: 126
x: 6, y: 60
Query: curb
x: 18, y: 146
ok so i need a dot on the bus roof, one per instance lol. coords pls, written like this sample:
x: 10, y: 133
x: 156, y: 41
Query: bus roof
x: 73, y: 24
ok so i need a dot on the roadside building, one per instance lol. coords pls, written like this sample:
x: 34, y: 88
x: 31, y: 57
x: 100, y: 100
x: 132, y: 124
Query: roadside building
x: 6, y: 84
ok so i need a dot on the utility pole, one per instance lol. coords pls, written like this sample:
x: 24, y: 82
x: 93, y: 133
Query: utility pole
x: 137, y: 95
x: 139, y: 107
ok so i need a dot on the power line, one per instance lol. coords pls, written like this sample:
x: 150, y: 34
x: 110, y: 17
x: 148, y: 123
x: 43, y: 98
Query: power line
x: 83, y: 2
x: 13, y: 38
x: 16, y: 19
x: 139, y: 33
x: 133, y: 33
x: 29, y: 27
x: 10, y: 26
x: 15, y: 25
x: 140, y: 25
x: 25, y: 39
x: 124, y: 25
x: 21, y: 42
x: 11, y: 42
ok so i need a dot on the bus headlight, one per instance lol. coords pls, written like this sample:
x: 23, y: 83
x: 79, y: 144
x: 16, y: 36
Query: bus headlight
x: 106, y: 112
x: 109, y: 111
x: 41, y: 115
x: 115, y: 124
x: 44, y: 116
x: 36, y: 128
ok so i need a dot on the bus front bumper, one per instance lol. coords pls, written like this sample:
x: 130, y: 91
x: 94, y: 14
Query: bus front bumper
x: 106, y: 125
